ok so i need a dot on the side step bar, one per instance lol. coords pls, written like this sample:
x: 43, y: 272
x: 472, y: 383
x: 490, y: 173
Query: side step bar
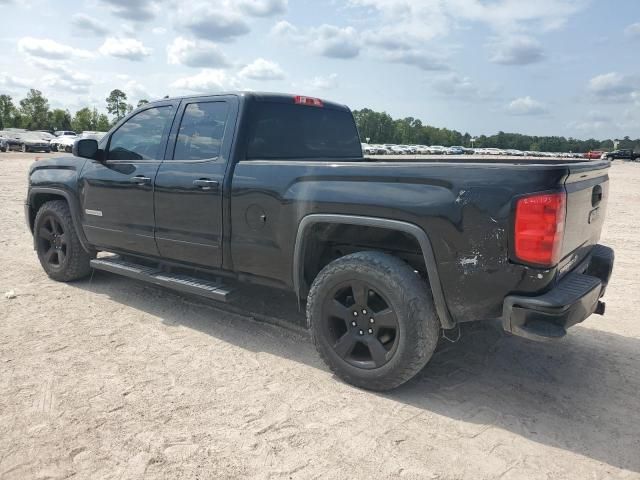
x: 181, y: 283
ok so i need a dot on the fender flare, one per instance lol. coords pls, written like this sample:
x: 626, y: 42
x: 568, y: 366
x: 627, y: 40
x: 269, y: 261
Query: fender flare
x: 418, y: 233
x: 73, y: 206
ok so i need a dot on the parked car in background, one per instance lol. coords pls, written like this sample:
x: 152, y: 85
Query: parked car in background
x: 623, y: 154
x: 10, y: 141
x: 59, y: 143
x: 65, y: 133
x: 65, y: 143
x: 493, y: 151
x: 514, y: 153
x: 455, y: 150
x: 92, y: 134
x: 437, y: 150
x: 594, y: 154
x: 33, y: 142
x: 368, y: 149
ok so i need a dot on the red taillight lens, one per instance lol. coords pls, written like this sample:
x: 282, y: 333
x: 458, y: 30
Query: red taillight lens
x: 539, y: 228
x: 312, y: 102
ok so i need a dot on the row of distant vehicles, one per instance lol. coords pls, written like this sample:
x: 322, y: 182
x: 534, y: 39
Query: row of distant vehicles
x: 392, y: 149
x: 20, y: 140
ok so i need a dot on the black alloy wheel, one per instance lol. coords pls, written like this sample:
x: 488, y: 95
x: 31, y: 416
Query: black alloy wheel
x: 52, y: 242
x: 361, y: 325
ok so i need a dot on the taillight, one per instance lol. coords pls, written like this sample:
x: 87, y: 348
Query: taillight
x: 539, y: 228
x: 312, y: 102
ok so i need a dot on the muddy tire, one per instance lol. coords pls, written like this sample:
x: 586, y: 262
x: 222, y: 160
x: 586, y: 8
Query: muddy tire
x: 372, y: 320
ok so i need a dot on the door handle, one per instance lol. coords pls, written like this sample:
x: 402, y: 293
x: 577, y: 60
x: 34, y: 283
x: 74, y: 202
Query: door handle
x: 206, y: 184
x: 140, y: 180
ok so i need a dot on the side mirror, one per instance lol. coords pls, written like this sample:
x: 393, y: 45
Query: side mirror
x: 85, y: 148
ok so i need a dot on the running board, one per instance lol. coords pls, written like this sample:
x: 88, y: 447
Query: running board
x: 181, y: 283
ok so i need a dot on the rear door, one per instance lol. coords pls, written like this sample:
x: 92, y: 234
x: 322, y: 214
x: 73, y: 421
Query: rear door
x: 189, y: 183
x: 117, y: 194
x: 587, y: 189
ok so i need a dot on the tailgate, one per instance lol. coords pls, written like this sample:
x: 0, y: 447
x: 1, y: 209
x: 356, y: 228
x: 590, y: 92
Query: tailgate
x: 587, y: 189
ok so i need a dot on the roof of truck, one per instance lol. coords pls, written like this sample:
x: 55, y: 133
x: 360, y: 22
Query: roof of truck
x: 260, y: 97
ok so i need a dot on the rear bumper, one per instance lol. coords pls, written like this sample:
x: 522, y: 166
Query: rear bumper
x: 571, y: 301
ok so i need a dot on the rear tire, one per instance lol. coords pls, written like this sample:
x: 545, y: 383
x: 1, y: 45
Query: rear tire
x: 59, y: 249
x: 372, y: 320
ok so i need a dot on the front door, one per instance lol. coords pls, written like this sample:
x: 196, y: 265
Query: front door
x: 117, y: 193
x: 189, y: 183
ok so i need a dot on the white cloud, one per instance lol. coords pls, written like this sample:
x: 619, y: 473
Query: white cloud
x: 212, y: 22
x: 526, y: 106
x: 158, y: 30
x: 89, y: 25
x: 67, y: 80
x: 11, y: 82
x: 195, y: 53
x: 614, y: 86
x: 417, y: 58
x: 262, y: 8
x: 518, y: 50
x: 454, y: 85
x: 127, y: 48
x: 284, y: 29
x: 412, y: 25
x: 208, y: 80
x: 633, y: 30
x: 327, y: 82
x: 136, y: 10
x: 429, y: 18
x: 336, y: 42
x: 261, y: 69
x: 47, y: 48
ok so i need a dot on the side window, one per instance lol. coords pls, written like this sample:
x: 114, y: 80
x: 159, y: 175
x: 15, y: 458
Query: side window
x: 201, y: 131
x: 140, y: 137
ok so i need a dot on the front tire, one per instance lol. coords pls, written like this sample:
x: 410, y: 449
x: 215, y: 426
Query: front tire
x: 372, y: 320
x: 59, y: 250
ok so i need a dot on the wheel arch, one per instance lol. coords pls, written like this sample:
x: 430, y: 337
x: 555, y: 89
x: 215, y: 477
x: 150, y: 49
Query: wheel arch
x: 412, y: 230
x: 38, y: 196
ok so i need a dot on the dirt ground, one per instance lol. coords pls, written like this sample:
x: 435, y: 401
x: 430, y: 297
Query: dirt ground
x: 109, y: 378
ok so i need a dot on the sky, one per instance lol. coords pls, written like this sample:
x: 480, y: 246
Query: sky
x: 539, y: 67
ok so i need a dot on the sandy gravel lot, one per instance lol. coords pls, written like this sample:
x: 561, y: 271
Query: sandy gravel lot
x: 109, y: 378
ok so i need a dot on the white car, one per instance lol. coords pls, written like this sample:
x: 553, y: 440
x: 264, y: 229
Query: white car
x: 493, y: 151
x: 397, y: 150
x: 65, y: 143
x: 438, y: 150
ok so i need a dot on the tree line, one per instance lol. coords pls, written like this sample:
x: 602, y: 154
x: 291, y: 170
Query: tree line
x: 33, y: 113
x: 380, y: 127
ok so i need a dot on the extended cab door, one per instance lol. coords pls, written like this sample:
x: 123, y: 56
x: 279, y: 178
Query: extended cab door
x: 117, y: 193
x: 189, y: 184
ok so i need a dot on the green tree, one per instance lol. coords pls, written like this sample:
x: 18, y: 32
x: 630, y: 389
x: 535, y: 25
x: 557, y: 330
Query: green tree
x: 142, y: 102
x: 7, y: 112
x: 35, y: 111
x: 59, y: 119
x: 102, y: 123
x: 82, y: 120
x: 117, y: 103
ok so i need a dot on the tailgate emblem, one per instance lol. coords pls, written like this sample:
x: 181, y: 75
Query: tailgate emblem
x: 96, y: 213
x: 594, y: 215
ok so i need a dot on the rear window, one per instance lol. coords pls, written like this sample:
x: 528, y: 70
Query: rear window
x: 290, y: 131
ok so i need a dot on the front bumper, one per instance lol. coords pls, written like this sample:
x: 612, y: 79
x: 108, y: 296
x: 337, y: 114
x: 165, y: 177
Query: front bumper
x: 571, y: 301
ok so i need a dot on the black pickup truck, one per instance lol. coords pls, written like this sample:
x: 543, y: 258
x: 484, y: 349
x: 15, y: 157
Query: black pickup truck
x: 273, y: 189
x: 623, y: 154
